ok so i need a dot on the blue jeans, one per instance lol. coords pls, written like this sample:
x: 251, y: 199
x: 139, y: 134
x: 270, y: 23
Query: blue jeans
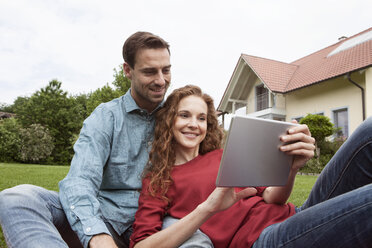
x: 33, y: 217
x: 338, y: 211
x: 197, y: 240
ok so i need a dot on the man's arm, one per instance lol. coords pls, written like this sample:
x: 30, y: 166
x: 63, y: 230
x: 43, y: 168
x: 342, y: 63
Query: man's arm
x: 79, y: 190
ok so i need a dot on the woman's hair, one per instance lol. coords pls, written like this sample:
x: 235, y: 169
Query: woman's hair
x: 162, y: 154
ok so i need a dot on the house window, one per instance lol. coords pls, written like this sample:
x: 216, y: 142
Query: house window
x: 262, y: 98
x: 340, y: 119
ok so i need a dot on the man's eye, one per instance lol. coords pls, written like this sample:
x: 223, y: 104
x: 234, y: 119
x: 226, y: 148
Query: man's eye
x: 149, y: 72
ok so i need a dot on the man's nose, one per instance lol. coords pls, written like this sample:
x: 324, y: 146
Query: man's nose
x: 160, y: 79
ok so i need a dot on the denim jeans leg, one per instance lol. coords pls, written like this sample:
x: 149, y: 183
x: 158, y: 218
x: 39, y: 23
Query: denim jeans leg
x: 337, y: 212
x: 32, y: 216
x: 350, y: 167
x: 341, y: 222
x: 197, y: 240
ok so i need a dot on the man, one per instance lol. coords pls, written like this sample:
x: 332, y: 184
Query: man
x: 99, y: 196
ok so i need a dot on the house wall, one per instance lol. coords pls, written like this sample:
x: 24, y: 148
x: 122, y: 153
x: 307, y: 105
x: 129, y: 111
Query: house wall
x: 280, y: 101
x: 328, y: 96
x: 251, y: 101
x: 368, y: 91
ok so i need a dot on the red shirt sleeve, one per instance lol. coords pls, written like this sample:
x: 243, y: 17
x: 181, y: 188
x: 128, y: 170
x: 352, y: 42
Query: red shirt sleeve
x: 149, y: 216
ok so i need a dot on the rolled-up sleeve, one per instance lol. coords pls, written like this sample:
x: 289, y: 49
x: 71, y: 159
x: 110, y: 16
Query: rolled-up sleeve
x: 79, y: 190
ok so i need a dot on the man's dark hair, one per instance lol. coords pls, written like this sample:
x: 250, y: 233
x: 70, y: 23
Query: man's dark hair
x: 141, y: 40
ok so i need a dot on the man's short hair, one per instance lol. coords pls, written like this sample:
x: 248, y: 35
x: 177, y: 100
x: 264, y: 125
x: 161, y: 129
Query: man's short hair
x: 141, y: 40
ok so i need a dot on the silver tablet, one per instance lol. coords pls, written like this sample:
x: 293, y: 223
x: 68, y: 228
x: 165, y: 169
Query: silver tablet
x: 251, y: 155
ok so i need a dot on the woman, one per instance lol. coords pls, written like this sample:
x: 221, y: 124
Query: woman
x: 180, y: 182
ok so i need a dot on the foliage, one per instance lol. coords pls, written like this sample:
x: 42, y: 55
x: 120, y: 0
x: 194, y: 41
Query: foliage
x: 51, y: 108
x: 60, y: 114
x: 80, y: 102
x: 106, y: 93
x: 329, y: 148
x: 9, y: 139
x: 316, y: 165
x: 36, y: 143
x: 320, y: 126
x: 121, y: 82
x: 6, y: 108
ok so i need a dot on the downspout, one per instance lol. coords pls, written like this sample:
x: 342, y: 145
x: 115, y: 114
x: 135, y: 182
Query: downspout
x: 362, y: 91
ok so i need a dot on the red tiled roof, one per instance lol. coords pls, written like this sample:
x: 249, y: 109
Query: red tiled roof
x: 316, y: 67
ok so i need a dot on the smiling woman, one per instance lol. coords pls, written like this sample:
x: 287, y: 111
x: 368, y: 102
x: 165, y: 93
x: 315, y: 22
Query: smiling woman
x: 189, y: 128
x: 180, y: 184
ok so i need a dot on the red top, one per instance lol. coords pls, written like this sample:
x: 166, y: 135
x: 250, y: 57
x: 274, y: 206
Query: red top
x: 194, y: 181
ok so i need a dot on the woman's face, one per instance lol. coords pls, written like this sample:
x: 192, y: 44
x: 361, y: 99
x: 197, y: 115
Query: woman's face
x: 190, y: 125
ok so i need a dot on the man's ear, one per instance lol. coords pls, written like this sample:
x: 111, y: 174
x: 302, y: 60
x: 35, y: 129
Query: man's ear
x: 127, y: 70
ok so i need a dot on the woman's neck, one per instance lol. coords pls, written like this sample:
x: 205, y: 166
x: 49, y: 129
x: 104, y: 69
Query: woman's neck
x: 185, y: 155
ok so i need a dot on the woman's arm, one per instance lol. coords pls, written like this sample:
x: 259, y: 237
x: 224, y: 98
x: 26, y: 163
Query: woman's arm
x: 301, y: 146
x: 173, y: 236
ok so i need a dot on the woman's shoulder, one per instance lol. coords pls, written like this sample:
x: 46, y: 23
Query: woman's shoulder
x: 214, y: 153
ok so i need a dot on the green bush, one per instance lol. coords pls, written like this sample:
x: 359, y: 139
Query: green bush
x: 36, y: 143
x: 316, y: 165
x: 9, y: 140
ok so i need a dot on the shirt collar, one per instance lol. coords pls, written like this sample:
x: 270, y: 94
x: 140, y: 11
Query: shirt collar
x: 131, y: 105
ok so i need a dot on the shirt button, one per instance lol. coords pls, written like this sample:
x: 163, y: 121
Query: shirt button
x: 72, y: 207
x: 88, y: 229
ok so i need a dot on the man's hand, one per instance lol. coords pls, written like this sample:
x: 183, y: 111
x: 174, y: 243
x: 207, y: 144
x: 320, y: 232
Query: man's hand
x: 102, y: 241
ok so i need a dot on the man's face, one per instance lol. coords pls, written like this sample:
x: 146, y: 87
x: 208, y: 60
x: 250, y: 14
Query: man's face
x: 150, y: 77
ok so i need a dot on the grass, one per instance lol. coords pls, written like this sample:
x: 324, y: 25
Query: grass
x: 41, y: 175
x: 48, y: 176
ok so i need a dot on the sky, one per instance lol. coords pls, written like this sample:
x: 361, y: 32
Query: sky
x: 79, y: 42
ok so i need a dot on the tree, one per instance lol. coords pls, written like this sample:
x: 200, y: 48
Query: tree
x: 106, y: 93
x: 320, y: 127
x: 53, y: 109
x: 121, y: 82
x: 6, y: 108
x: 9, y: 140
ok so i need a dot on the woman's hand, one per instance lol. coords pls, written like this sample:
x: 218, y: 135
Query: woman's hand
x: 301, y: 145
x: 222, y: 198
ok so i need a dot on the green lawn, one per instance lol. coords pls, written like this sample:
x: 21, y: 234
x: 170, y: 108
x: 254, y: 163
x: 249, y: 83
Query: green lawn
x: 49, y: 176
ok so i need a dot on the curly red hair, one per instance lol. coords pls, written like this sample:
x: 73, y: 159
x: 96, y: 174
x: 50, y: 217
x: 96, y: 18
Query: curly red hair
x: 162, y: 154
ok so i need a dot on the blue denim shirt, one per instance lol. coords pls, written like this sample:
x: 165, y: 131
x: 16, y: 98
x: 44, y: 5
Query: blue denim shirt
x: 105, y: 173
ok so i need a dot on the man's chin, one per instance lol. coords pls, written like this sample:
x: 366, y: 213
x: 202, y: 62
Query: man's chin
x: 157, y: 96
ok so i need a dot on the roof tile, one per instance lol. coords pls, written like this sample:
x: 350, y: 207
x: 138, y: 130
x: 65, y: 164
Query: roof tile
x: 314, y: 68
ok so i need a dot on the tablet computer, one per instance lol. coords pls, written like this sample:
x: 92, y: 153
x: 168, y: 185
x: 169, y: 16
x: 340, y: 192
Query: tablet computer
x: 251, y: 155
